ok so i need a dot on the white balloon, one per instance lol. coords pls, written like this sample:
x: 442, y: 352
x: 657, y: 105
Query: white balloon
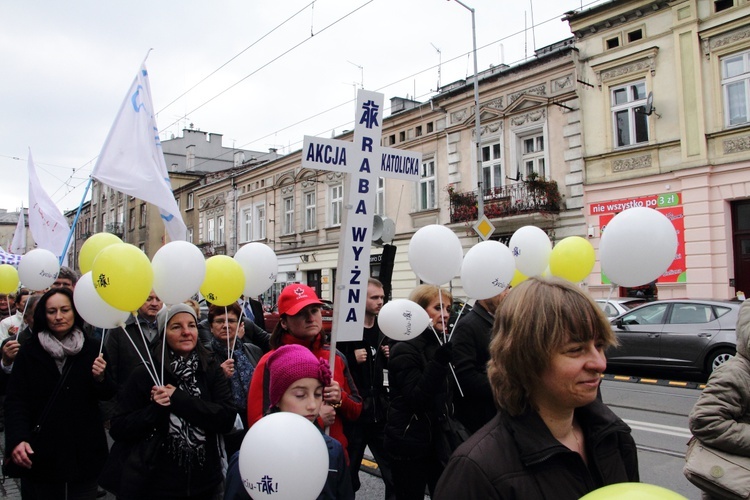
x: 284, y: 457
x: 260, y: 265
x: 435, y: 254
x: 92, y: 308
x: 38, y: 269
x: 487, y: 270
x: 638, y: 245
x: 402, y: 319
x: 179, y: 269
x: 531, y: 247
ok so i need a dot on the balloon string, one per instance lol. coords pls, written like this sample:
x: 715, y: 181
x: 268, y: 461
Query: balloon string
x: 25, y: 305
x: 226, y: 323
x: 152, y: 375
x: 101, y: 346
x: 442, y: 320
x: 163, y: 344
x: 450, y: 365
x: 7, y: 304
x: 145, y: 342
x: 611, y: 290
x: 457, y: 318
x: 239, y: 322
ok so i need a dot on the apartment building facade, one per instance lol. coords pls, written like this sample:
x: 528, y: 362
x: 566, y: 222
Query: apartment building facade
x: 530, y: 131
x: 665, y: 116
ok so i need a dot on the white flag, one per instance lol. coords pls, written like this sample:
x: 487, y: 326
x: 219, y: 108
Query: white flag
x: 18, y: 245
x: 132, y: 160
x: 48, y: 225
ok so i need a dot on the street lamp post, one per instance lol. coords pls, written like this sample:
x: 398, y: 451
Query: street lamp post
x: 478, y: 132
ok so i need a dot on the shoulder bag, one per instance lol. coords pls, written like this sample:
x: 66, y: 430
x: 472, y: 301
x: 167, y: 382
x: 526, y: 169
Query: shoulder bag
x: 718, y: 473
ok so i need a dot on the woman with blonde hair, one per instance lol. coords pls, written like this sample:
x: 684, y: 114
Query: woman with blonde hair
x: 420, y: 396
x: 552, y: 437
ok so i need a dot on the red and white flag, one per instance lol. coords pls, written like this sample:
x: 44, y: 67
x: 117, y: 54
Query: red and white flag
x: 48, y: 225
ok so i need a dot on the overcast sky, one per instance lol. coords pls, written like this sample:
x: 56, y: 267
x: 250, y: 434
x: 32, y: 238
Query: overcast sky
x: 66, y: 67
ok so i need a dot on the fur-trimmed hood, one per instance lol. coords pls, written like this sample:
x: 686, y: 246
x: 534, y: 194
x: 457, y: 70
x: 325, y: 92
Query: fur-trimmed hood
x: 743, y: 330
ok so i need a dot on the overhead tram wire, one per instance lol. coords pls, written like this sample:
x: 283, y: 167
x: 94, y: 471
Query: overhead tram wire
x: 67, y: 181
x: 557, y: 17
x: 236, y: 56
x: 271, y: 62
x: 408, y: 77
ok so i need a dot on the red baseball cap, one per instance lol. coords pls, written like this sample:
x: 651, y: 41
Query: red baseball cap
x: 295, y: 297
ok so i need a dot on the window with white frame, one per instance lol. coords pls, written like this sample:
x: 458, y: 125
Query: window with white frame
x: 735, y: 84
x: 189, y: 201
x: 629, y: 120
x: 427, y: 185
x: 190, y: 235
x: 310, y: 223
x: 247, y: 224
x: 288, y: 215
x: 492, y: 167
x: 210, y: 230
x: 532, y: 155
x: 220, y: 230
x: 336, y: 198
x: 259, y: 231
x: 380, y: 197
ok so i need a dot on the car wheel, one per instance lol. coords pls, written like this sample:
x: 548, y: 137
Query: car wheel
x: 717, y: 358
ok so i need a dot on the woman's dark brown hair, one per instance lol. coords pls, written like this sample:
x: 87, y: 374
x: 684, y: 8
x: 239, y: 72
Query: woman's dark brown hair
x: 537, y: 318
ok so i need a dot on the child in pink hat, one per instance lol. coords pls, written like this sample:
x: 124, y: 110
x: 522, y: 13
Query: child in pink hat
x: 296, y: 382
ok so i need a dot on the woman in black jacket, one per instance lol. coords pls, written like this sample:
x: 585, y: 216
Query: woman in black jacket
x: 53, y: 424
x: 420, y: 397
x: 166, y: 436
x: 552, y: 437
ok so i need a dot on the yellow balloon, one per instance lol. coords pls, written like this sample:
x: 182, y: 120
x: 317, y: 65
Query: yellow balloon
x: 518, y: 277
x: 572, y: 259
x: 8, y: 278
x: 633, y: 491
x: 91, y: 248
x: 123, y: 276
x: 224, y: 280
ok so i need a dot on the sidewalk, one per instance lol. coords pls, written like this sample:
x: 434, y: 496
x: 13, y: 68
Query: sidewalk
x: 9, y: 488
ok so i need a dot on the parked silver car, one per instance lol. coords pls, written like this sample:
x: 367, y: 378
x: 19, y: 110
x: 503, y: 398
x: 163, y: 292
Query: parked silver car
x: 614, y: 307
x: 694, y: 335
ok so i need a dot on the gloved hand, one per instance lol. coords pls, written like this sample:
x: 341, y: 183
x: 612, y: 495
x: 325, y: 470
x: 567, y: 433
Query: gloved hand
x: 444, y: 353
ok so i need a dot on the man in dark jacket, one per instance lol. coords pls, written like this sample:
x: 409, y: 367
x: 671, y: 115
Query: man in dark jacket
x: 122, y: 357
x: 367, y: 360
x: 253, y: 310
x: 471, y: 342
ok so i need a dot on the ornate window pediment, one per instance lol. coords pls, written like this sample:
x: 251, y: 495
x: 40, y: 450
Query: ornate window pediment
x: 719, y: 39
x: 633, y: 65
x: 525, y: 103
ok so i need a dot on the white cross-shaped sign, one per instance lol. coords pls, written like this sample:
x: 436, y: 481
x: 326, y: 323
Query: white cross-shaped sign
x: 363, y: 160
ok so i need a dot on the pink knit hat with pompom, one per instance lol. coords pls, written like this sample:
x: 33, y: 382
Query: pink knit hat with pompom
x: 290, y: 363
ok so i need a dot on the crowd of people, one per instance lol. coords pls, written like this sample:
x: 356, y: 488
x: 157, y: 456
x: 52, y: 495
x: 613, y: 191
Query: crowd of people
x: 506, y: 406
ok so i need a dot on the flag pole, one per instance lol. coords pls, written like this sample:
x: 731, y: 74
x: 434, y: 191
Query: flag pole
x: 75, y: 220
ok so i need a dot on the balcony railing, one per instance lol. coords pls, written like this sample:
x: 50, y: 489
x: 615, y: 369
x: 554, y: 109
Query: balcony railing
x: 116, y: 228
x: 529, y: 196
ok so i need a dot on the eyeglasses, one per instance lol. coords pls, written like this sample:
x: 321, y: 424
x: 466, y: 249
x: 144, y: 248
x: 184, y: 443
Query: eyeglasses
x: 225, y: 321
